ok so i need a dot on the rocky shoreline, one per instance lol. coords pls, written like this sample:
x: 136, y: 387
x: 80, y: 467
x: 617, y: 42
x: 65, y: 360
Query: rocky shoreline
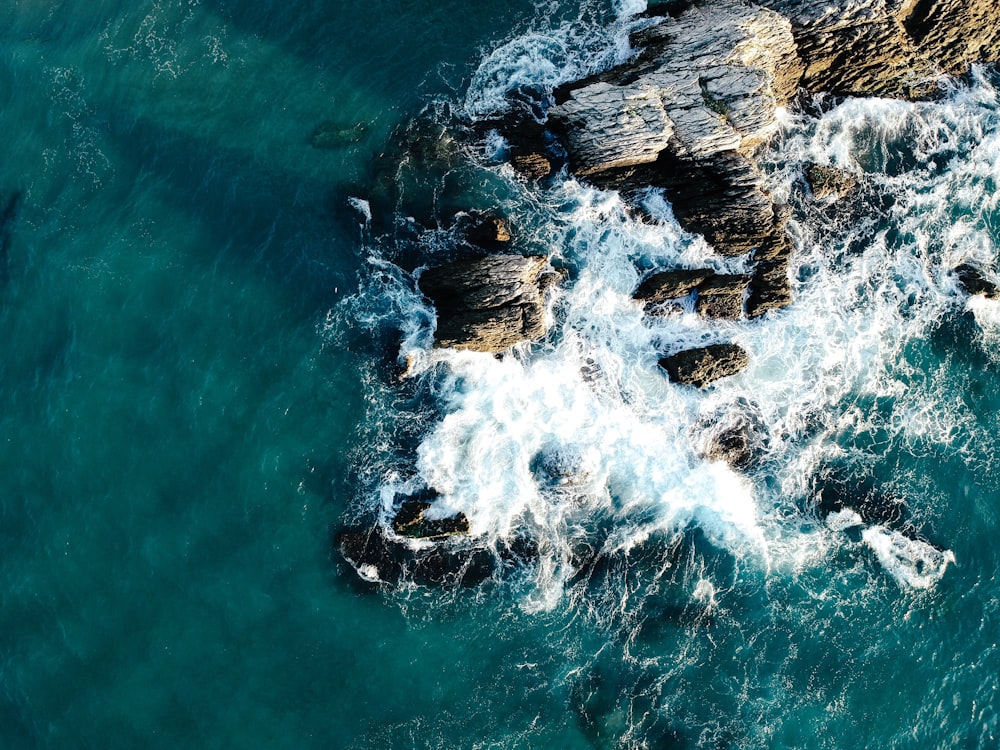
x: 688, y: 114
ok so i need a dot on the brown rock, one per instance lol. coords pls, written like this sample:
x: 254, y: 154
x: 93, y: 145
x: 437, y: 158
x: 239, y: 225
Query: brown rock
x: 703, y: 366
x: 721, y: 296
x: 489, y: 304
x: 668, y: 285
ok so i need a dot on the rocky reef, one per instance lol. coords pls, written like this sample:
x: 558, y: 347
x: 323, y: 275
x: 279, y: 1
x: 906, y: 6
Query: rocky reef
x: 688, y: 114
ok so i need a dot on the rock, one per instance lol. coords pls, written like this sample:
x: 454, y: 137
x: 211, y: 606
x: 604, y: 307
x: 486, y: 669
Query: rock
x: 721, y: 296
x: 410, y: 522
x: 827, y: 181
x: 9, y: 208
x: 718, y: 295
x: 489, y: 304
x: 889, y: 47
x: 836, y: 487
x: 770, y: 288
x: 703, y: 366
x: 974, y: 282
x: 707, y: 82
x: 488, y: 230
x: 686, y: 115
x: 736, y: 434
x: 667, y: 285
x: 533, y: 164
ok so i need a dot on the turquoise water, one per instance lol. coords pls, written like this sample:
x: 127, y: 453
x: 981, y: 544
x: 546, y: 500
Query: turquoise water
x: 198, y: 389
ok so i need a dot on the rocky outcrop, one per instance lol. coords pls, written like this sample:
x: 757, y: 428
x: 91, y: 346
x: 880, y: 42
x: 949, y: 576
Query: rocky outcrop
x: 889, y: 47
x: 686, y: 116
x: 717, y: 295
x: 974, y: 281
x: 489, y: 304
x: 703, y: 366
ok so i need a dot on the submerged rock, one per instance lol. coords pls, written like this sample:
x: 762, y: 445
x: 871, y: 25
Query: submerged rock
x: 488, y: 230
x: 703, y: 366
x: 331, y: 135
x: 974, y: 282
x: 378, y: 559
x: 489, y: 304
x: 827, y: 181
x: 736, y: 434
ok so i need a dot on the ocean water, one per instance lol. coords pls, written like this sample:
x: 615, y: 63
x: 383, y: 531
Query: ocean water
x: 214, y: 213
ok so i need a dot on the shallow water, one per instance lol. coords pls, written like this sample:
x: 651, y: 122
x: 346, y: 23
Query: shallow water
x: 202, y: 333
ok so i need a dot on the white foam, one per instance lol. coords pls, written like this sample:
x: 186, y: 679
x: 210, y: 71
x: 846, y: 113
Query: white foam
x: 913, y: 563
x: 547, y: 57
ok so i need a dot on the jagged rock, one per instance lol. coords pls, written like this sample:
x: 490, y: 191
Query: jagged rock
x: 488, y: 230
x: 889, y: 47
x: 686, y: 114
x: 736, y: 434
x: 718, y: 295
x: 827, y: 181
x: 668, y: 285
x: 770, y: 288
x: 489, y: 304
x: 721, y: 296
x: 974, y: 282
x: 707, y: 82
x: 703, y: 366
x: 411, y: 522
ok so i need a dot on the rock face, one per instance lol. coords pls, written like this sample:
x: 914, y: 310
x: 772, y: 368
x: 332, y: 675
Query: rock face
x: 889, y: 47
x: 718, y: 295
x: 702, y: 367
x: 686, y: 115
x: 489, y: 304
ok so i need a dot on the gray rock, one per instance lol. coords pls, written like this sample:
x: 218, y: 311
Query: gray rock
x: 703, y: 366
x: 489, y: 304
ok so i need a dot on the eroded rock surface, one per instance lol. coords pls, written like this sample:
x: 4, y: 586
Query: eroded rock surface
x: 489, y: 304
x: 703, y: 366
